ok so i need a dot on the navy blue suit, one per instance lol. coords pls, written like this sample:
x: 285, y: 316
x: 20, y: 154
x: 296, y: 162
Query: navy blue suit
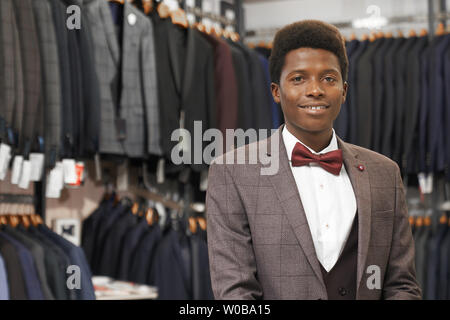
x: 424, y: 162
x: 433, y: 262
x: 29, y: 272
x: 437, y: 103
x: 77, y: 257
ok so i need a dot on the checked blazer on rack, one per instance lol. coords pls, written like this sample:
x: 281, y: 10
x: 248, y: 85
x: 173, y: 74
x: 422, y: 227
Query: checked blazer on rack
x: 260, y: 245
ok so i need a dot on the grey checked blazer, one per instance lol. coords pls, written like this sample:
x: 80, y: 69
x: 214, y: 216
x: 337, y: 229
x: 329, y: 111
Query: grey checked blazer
x: 9, y: 59
x: 51, y: 93
x: 31, y: 66
x: 138, y: 102
x: 260, y: 245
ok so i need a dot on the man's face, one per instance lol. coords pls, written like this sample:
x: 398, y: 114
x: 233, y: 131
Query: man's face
x: 311, y: 89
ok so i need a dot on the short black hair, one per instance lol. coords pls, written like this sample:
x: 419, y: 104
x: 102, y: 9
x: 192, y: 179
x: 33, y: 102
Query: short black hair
x: 311, y: 34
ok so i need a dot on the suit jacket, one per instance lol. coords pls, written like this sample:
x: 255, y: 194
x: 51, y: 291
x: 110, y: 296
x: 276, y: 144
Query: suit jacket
x: 444, y: 268
x: 31, y: 67
x: 144, y: 255
x: 424, y: 150
x: 243, y: 86
x: 129, y: 244
x: 192, y: 61
x: 400, y: 93
x: 37, y: 253
x: 171, y: 270
x: 127, y: 74
x: 56, y: 263
x: 421, y: 259
x: 201, y: 278
x: 225, y: 88
x: 27, y: 264
x: 342, y: 122
x: 447, y: 108
x: 378, y: 94
x: 109, y: 261
x: 4, y: 288
x: 260, y: 245
x: 353, y: 87
x: 51, y: 78
x: 388, y: 118
x: 77, y: 257
x: 16, y: 282
x: 437, y: 103
x: 364, y: 97
x: 433, y: 261
x: 412, y: 100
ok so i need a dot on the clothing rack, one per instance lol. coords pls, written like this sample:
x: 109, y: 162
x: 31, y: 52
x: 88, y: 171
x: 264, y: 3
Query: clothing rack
x: 431, y: 18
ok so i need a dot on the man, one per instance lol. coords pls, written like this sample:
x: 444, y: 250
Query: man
x: 332, y: 222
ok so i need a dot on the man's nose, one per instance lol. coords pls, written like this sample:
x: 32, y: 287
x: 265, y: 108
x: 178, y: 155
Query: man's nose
x: 314, y: 89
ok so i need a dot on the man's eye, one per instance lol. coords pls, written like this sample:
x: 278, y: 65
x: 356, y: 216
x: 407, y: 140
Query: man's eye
x: 298, y: 78
x: 329, y: 79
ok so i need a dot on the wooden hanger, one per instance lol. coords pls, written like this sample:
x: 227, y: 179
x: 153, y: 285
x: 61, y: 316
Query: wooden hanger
x: 25, y: 221
x: 163, y: 10
x: 412, y: 33
x: 148, y: 6
x: 151, y: 216
x: 440, y: 30
x: 443, y: 219
x: 364, y: 37
x: 118, y: 1
x: 227, y: 34
x: 13, y: 220
x: 427, y: 221
x: 3, y: 220
x: 235, y: 36
x: 400, y: 34
x: 192, y: 225
x: 419, y: 221
x: 179, y: 18
x: 251, y: 45
x: 36, y: 220
x: 388, y: 34
x: 353, y: 36
x: 423, y: 32
x: 372, y: 37
x: 135, y: 208
x: 202, y: 223
x: 411, y: 221
x: 380, y: 34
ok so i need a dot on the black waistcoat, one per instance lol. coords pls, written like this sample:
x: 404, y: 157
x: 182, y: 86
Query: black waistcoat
x: 340, y: 281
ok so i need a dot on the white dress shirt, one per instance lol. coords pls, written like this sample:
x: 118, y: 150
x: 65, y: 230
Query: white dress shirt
x: 328, y: 200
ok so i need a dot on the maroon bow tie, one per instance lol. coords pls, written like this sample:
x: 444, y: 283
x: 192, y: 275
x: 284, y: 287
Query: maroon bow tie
x: 330, y: 161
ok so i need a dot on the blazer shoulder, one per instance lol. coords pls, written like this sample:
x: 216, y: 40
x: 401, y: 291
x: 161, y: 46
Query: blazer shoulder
x: 370, y: 156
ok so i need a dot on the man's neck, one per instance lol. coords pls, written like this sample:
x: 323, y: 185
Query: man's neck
x: 317, y: 141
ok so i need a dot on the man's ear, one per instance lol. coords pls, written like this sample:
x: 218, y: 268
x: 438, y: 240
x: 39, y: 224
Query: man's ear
x: 275, y: 88
x: 344, y: 91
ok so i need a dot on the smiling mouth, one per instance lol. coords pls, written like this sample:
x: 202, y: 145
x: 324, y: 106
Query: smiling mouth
x: 315, y: 107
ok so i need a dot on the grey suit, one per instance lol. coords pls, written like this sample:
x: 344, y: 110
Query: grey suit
x: 260, y: 245
x: 134, y: 64
x: 51, y: 94
x: 30, y: 65
x: 8, y: 61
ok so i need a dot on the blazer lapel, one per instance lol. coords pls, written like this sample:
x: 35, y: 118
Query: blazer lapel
x: 109, y: 29
x: 286, y: 190
x: 361, y: 186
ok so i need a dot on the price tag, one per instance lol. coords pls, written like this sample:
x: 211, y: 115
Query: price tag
x: 122, y: 177
x: 5, y: 158
x: 55, y: 181
x: 160, y: 172
x: 25, y: 175
x: 37, y: 166
x: 17, y: 169
x: 69, y: 171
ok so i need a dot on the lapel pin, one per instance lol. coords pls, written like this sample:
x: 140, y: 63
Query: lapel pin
x: 361, y: 167
x: 132, y: 19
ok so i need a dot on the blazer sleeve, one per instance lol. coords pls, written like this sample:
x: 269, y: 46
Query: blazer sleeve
x: 232, y: 259
x: 400, y: 279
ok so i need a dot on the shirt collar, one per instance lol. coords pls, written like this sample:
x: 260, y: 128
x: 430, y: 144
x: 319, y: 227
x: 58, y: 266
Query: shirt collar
x: 290, y: 140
